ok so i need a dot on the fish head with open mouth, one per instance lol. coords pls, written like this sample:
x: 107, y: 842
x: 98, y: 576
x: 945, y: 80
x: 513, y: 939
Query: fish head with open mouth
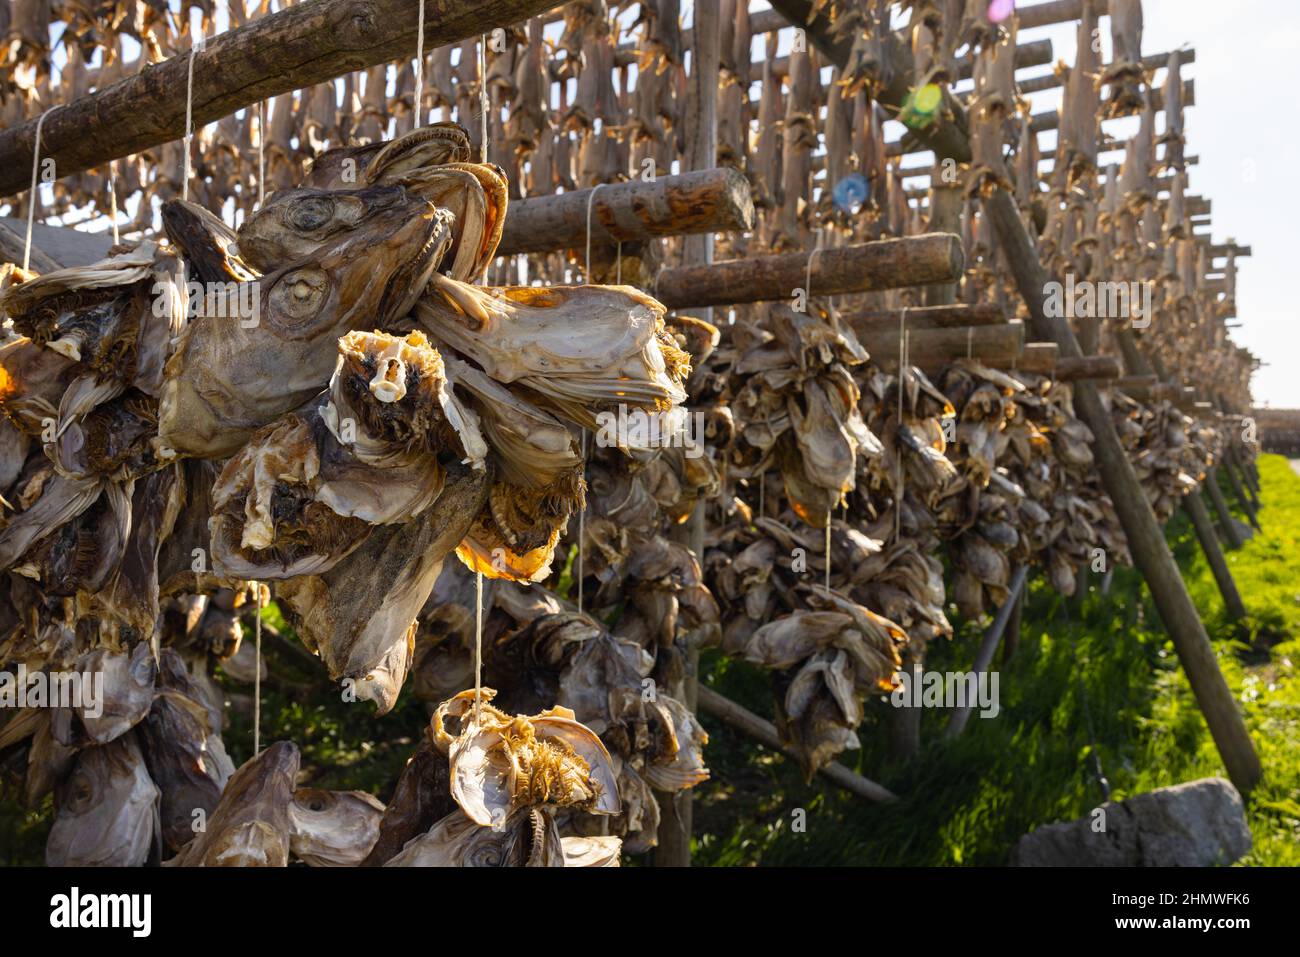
x: 333, y: 828
x: 228, y: 378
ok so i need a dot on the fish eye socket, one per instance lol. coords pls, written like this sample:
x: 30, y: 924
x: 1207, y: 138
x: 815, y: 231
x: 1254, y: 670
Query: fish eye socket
x: 311, y: 214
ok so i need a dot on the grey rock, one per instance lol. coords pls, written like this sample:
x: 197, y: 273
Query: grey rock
x: 1197, y: 824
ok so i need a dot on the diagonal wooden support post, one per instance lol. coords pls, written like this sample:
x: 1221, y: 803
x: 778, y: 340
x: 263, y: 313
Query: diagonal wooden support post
x: 1194, y: 505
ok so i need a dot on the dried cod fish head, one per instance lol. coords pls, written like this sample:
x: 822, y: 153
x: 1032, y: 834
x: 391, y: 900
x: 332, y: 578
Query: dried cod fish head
x: 207, y: 243
x: 598, y: 851
x: 226, y: 380
x: 106, y: 810
x: 127, y: 692
x: 333, y: 828
x: 515, y: 535
x: 183, y: 752
x: 477, y: 194
x: 526, y: 838
x: 579, y: 350
x: 295, y: 224
x: 251, y: 826
x: 361, y: 614
x: 432, y: 145
x: 501, y: 764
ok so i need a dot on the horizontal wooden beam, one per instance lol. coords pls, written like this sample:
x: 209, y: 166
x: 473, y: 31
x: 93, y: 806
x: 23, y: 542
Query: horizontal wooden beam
x: 294, y: 48
x: 704, y: 201
x: 928, y: 348
x: 885, y: 264
x: 928, y: 317
x: 1051, y: 81
x: 1073, y: 368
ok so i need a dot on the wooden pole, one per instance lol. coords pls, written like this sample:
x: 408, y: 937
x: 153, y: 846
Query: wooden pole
x: 764, y: 732
x: 1088, y: 367
x: 294, y: 48
x: 676, y: 814
x: 1227, y: 524
x: 1194, y: 505
x: 1234, y: 482
x: 700, y: 201
x: 989, y: 646
x: 885, y: 264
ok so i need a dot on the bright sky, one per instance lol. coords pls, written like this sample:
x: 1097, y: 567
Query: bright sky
x: 1243, y: 128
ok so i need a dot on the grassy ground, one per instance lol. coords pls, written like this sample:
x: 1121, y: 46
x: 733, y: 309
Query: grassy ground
x: 1093, y: 691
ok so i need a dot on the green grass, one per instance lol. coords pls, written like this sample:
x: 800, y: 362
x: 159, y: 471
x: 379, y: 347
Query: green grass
x: 1093, y: 684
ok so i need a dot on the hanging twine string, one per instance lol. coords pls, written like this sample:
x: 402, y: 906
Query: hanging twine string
x: 257, y: 670
x: 112, y: 198
x: 478, y: 645
x: 762, y: 489
x: 807, y: 276
x: 582, y: 522
x: 828, y: 549
x: 898, y: 482
x: 195, y: 47
x: 33, y: 197
x: 261, y: 154
x: 970, y: 334
x: 483, y: 96
x: 586, y: 275
x: 419, y: 69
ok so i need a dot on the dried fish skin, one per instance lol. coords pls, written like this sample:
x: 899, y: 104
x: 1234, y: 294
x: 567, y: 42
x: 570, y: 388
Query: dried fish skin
x: 501, y: 764
x: 599, y: 851
x: 420, y: 800
x: 251, y: 826
x: 226, y: 380
x: 360, y: 615
x: 126, y: 693
x: 105, y: 810
x: 579, y: 350
x: 186, y: 760
x: 115, y: 318
x: 526, y: 838
x: 333, y: 828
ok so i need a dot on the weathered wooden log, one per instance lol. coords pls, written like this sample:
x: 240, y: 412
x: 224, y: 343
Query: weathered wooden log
x: 926, y: 347
x: 1228, y: 527
x: 1053, y: 80
x: 1194, y: 505
x: 989, y: 646
x: 704, y: 201
x: 11, y: 250
x: 1088, y: 367
x: 1040, y: 357
x: 1234, y: 483
x: 885, y: 264
x: 929, y: 317
x: 1057, y: 11
x: 294, y: 48
x: 764, y: 732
